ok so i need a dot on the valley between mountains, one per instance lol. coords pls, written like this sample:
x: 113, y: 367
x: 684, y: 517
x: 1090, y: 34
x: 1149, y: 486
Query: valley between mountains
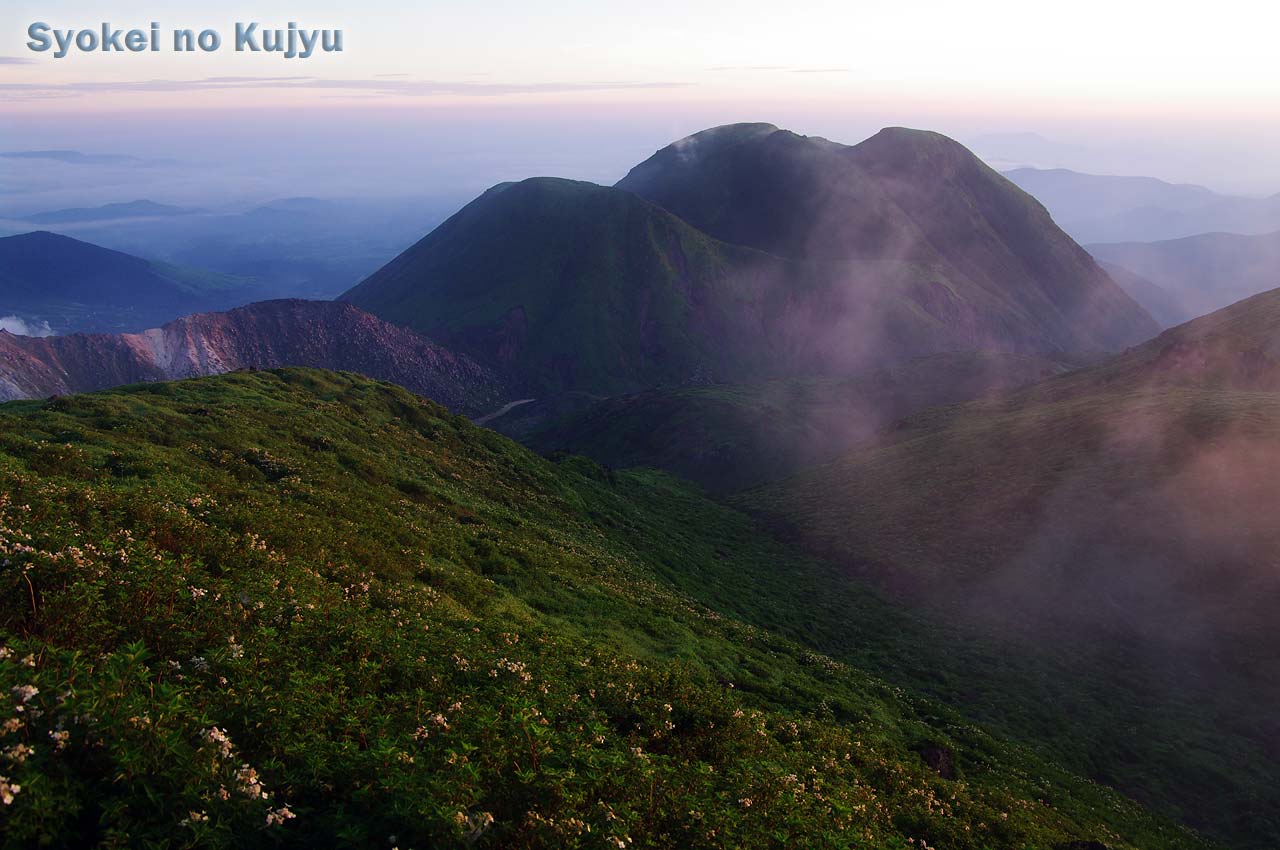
x: 786, y: 493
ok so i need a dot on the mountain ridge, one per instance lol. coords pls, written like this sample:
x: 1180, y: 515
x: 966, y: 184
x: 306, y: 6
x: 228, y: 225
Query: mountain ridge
x: 1204, y: 272
x: 130, y: 209
x: 579, y: 287
x: 264, y: 335
x: 900, y: 193
x: 73, y: 284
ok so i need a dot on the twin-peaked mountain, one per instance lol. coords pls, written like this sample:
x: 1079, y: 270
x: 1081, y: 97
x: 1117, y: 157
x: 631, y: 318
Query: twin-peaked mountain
x: 748, y: 252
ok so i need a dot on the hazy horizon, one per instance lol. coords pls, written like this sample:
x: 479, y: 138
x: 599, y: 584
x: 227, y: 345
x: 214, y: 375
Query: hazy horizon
x: 440, y: 102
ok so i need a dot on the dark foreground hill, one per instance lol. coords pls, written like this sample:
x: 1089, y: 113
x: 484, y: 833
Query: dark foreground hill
x: 266, y: 335
x: 74, y: 285
x: 902, y: 246
x: 298, y: 608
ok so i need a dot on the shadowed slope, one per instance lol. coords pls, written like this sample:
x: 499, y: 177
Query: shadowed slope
x: 905, y: 195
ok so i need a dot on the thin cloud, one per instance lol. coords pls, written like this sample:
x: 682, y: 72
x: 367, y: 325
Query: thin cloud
x: 750, y: 68
x: 786, y: 69
x: 380, y: 86
x: 16, y: 60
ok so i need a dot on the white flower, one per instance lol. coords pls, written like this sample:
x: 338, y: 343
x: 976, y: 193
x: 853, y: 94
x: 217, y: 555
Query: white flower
x: 250, y: 784
x: 7, y: 790
x: 214, y: 735
x: 279, y: 816
x: 25, y: 692
x: 18, y: 753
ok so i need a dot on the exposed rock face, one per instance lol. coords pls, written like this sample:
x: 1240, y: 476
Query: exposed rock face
x: 266, y: 335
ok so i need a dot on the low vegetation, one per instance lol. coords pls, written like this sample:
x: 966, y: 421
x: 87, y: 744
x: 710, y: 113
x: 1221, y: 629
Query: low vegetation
x: 306, y: 608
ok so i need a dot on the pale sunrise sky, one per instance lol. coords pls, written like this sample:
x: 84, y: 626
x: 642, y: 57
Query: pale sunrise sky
x: 1117, y: 87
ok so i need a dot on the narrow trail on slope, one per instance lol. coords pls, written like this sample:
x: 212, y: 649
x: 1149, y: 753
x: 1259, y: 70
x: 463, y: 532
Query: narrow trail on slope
x: 502, y: 411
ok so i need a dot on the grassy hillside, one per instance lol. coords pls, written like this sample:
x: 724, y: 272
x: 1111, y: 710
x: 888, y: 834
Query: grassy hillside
x: 1122, y: 508
x: 730, y: 436
x: 563, y: 284
x: 573, y: 287
x: 305, y: 608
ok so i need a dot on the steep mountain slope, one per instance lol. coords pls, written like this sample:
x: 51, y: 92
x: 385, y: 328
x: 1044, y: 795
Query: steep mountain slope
x: 266, y: 335
x: 963, y: 494
x: 576, y: 287
x: 74, y: 285
x: 915, y: 248
x: 1124, y: 507
x: 1205, y: 272
x: 730, y: 436
x: 901, y: 195
x: 1163, y: 306
x: 231, y: 618
x: 565, y: 284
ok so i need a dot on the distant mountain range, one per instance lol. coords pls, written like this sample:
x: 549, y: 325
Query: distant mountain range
x: 74, y: 285
x: 284, y: 248
x: 107, y: 212
x: 813, y: 258
x: 1096, y: 208
x: 320, y: 334
x: 1189, y: 277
